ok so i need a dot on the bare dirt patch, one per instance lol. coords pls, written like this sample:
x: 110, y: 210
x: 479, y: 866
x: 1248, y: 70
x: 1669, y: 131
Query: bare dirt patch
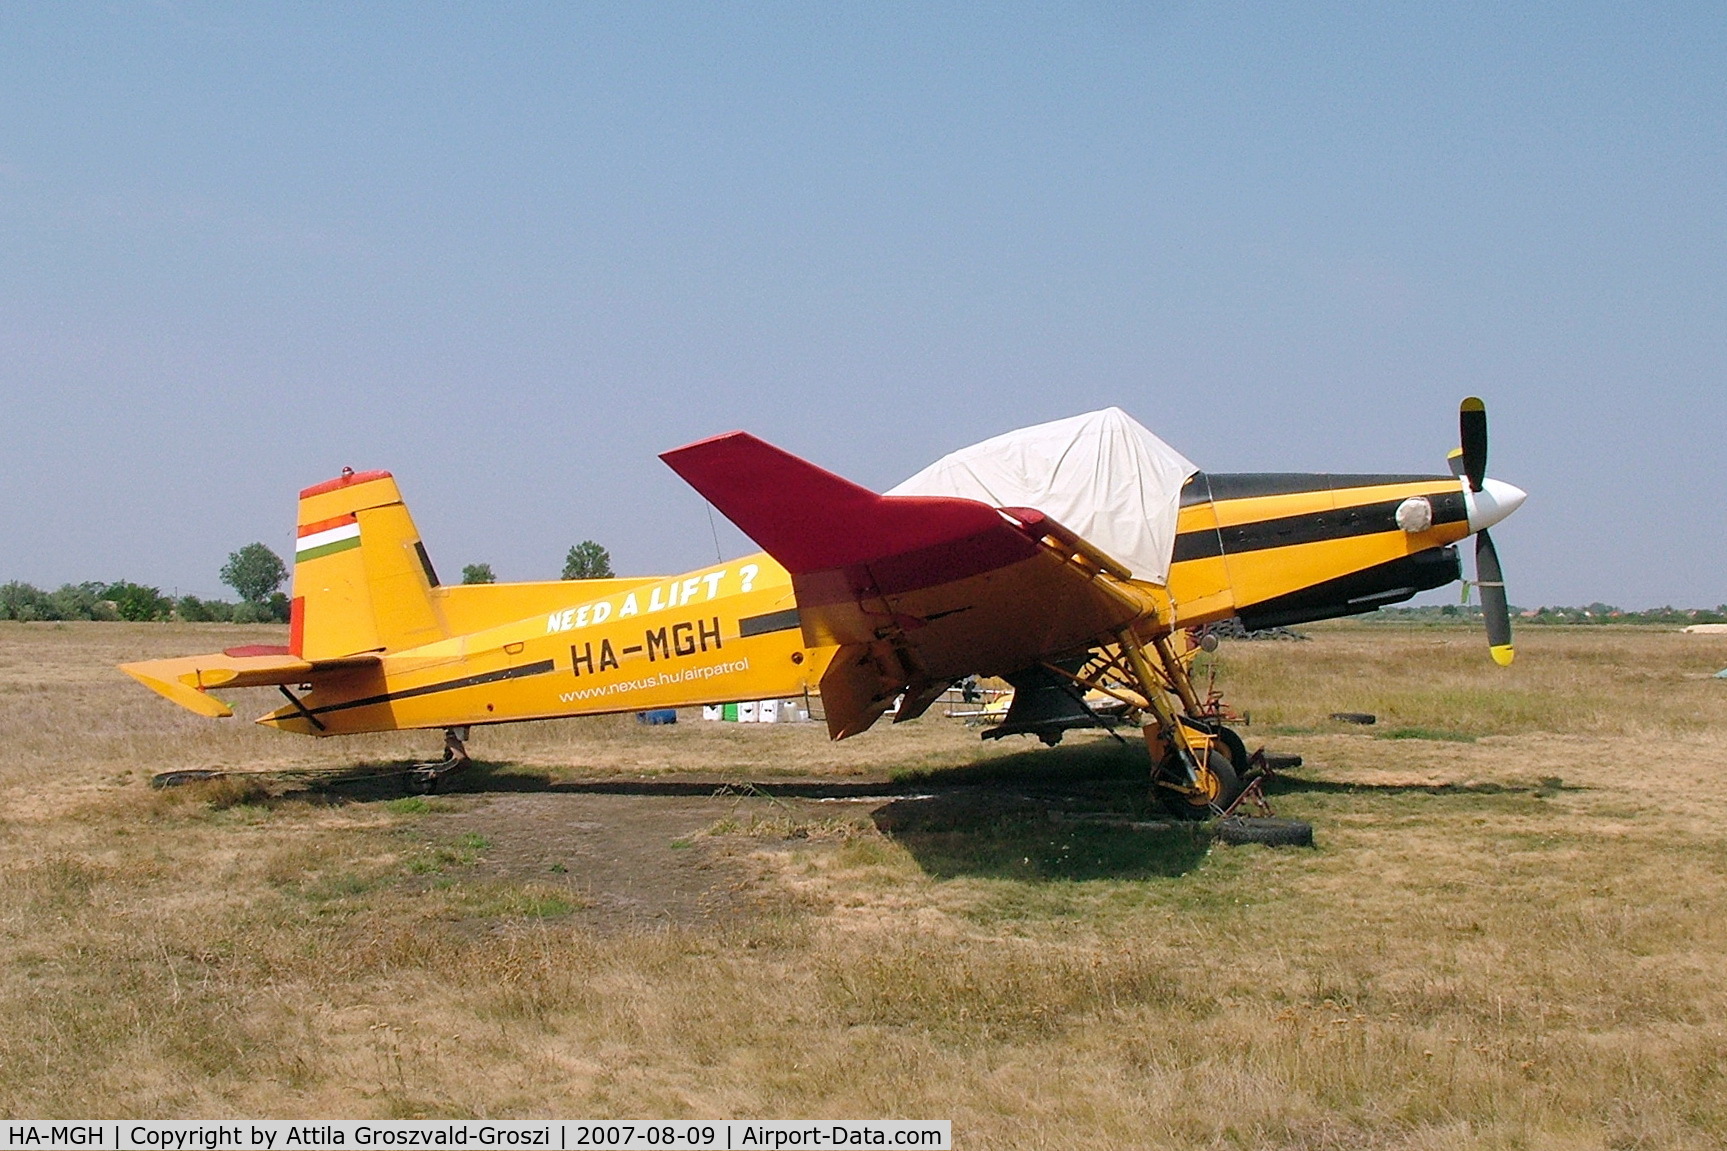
x: 635, y: 861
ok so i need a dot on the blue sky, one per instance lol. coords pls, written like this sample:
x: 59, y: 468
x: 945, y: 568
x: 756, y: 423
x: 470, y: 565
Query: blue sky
x: 511, y: 252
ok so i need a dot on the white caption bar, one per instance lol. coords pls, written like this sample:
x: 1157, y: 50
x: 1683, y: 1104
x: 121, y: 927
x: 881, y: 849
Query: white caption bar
x: 476, y: 1135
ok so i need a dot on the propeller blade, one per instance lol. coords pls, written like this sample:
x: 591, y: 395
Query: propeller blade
x: 1491, y: 580
x: 1472, y: 436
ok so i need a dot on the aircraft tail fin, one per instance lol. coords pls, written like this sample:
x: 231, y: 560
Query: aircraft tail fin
x: 362, y: 580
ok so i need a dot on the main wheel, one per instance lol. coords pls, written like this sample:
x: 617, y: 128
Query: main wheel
x: 1219, y: 786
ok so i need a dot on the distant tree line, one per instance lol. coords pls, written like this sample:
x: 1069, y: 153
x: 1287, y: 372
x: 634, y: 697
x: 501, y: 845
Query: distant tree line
x: 1607, y: 613
x: 1595, y: 613
x: 125, y: 600
x: 255, y: 572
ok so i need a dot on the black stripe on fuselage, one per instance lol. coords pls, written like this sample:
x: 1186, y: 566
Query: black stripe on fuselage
x: 522, y: 672
x: 771, y: 622
x: 1314, y: 527
x: 1221, y: 486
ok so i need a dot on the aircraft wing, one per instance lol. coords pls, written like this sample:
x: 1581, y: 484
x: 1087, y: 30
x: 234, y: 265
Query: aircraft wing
x: 917, y: 591
x: 187, y: 679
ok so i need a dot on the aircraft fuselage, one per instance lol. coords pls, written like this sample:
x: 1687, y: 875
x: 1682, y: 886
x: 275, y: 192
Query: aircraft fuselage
x: 1271, y: 548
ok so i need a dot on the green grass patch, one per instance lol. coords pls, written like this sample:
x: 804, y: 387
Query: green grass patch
x: 421, y: 805
x: 508, y: 901
x: 436, y: 857
x: 1435, y: 733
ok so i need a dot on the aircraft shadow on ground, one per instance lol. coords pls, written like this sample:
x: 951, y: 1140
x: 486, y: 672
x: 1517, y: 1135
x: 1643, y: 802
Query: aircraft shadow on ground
x: 1082, y: 811
x: 1070, y: 813
x: 986, y: 834
x: 1040, y: 815
x: 1061, y: 770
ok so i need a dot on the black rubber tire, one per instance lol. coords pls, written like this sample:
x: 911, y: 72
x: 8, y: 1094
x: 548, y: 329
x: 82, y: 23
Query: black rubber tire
x: 1229, y: 788
x: 1271, y: 832
x: 1236, y: 748
x: 419, y: 783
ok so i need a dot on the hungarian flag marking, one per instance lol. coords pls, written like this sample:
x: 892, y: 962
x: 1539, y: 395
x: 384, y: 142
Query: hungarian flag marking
x: 327, y: 537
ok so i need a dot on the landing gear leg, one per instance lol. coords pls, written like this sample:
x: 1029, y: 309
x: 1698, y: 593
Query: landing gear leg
x: 1189, y: 777
x: 1231, y: 779
x: 423, y: 777
x: 1196, y: 762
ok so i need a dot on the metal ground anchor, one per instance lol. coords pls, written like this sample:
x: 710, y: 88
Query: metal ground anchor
x: 423, y: 777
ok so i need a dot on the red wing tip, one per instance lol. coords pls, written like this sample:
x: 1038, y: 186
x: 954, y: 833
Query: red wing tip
x: 670, y: 452
x: 345, y: 480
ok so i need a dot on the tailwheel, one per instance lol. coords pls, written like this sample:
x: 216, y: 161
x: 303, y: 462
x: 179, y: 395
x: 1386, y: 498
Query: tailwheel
x: 1217, y: 787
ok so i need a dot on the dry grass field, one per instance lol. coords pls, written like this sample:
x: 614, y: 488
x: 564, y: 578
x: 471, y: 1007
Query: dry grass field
x: 1512, y: 932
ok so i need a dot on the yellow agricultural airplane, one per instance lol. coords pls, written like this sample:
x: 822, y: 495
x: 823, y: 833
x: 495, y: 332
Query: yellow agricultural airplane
x: 863, y: 598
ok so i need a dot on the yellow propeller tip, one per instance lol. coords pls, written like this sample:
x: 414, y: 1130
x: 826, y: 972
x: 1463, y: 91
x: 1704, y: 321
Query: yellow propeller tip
x: 1472, y: 404
x: 1502, y: 654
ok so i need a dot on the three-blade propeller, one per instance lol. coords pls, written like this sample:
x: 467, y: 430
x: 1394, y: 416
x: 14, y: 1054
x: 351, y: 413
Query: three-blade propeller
x: 1469, y: 462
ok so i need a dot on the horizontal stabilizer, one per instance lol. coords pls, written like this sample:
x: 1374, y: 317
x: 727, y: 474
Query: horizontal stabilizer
x: 187, y: 679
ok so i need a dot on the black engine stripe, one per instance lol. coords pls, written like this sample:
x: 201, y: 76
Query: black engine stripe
x: 1251, y: 485
x: 522, y: 672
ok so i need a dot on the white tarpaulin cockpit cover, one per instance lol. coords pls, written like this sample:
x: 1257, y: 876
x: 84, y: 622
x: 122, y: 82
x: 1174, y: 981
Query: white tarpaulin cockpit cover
x: 1102, y: 475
